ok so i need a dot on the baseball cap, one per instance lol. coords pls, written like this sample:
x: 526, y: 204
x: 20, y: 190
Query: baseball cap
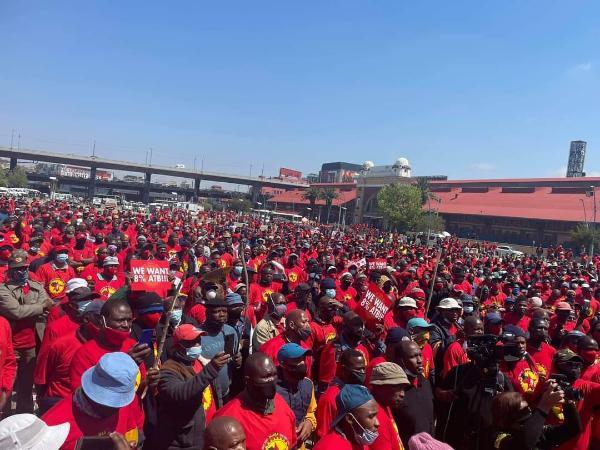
x: 111, y: 382
x: 448, y: 303
x: 563, y: 306
x: 187, y: 332
x: 407, y: 302
x: 233, y: 298
x: 110, y: 261
x: 566, y: 354
x: 81, y: 294
x: 493, y: 317
x: 292, y: 351
x: 26, y: 431
x: 395, y: 335
x: 328, y: 301
x: 417, y: 322
x: 328, y: 283
x: 148, y: 302
x: 388, y: 373
x: 351, y: 396
x: 94, y: 307
x: 75, y: 283
x: 302, y: 287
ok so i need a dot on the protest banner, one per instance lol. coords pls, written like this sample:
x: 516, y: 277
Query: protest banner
x: 377, y: 264
x: 373, y: 307
x: 150, y: 276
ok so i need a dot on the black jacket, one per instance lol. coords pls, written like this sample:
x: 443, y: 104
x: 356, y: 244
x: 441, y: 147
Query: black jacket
x: 415, y: 414
x: 181, y: 421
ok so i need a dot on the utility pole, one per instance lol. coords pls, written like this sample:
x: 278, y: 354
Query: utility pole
x: 12, y: 138
x: 94, y: 149
x: 19, y: 142
x: 150, y: 161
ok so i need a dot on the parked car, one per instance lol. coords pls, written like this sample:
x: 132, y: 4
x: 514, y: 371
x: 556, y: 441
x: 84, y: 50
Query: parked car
x: 504, y: 251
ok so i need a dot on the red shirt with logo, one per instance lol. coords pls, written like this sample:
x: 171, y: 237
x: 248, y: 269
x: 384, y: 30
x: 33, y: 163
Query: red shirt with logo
x: 55, y: 279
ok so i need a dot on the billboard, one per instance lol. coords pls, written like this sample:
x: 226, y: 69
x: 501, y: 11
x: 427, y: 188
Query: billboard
x: 83, y: 173
x: 289, y: 173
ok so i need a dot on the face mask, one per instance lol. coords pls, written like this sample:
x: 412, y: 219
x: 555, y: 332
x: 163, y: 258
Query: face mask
x: 266, y: 390
x: 297, y: 372
x: 211, y: 295
x: 19, y: 276
x: 4, y: 254
x: 589, y: 356
x: 82, y: 305
x: 330, y: 293
x: 279, y: 311
x: 366, y: 437
x: 151, y: 320
x: 110, y: 271
x: 409, y: 313
x: 468, y: 309
x: 357, y: 377
x: 146, y: 254
x: 34, y: 250
x: 193, y: 352
x: 304, y: 334
x: 238, y: 270
x: 61, y: 258
x: 175, y: 317
x: 353, y: 272
x: 114, y: 337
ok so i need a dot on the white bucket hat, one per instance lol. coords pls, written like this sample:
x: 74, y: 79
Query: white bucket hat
x: 28, y: 432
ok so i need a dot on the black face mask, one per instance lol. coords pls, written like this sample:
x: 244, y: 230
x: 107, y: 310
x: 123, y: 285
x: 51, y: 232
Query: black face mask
x: 297, y: 372
x: 357, y: 377
x: 264, y: 390
x: 354, y: 336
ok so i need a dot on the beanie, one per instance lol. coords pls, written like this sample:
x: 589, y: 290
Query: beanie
x: 424, y: 441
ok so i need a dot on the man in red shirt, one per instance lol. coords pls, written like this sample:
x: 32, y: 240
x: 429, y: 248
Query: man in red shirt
x: 345, y: 293
x: 541, y: 352
x: 388, y: 386
x: 267, y: 419
x: 114, y: 336
x: 23, y: 303
x: 105, y: 403
x: 297, y: 330
x: 404, y: 310
x: 108, y: 281
x: 356, y: 425
x: 561, y: 323
x: 456, y: 354
x: 55, y: 274
x: 518, y: 316
x: 352, y: 370
x: 8, y: 363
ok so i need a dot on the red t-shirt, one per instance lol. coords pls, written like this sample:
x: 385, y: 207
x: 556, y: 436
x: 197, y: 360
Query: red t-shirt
x: 272, y: 431
x: 107, y: 287
x: 8, y: 363
x: 335, y: 441
x: 542, y: 358
x: 524, y: 377
x: 328, y: 363
x: 345, y: 296
x: 273, y: 345
x: 54, y: 279
x: 88, y: 355
x: 327, y: 409
x: 295, y: 276
x: 208, y: 396
x: 454, y: 356
x: 514, y: 319
x: 388, y: 438
x: 54, y: 364
x: 321, y: 334
x: 427, y: 356
x: 128, y: 421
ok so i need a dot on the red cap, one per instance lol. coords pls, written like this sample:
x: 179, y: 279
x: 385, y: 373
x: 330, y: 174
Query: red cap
x: 187, y: 332
x: 563, y: 306
x: 80, y: 236
x: 61, y: 248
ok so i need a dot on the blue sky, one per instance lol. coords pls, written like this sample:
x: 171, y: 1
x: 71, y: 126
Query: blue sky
x: 467, y: 89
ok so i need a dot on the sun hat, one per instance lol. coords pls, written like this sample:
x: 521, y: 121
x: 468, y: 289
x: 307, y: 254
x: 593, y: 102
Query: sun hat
x: 110, y: 261
x: 407, y: 302
x: 111, y: 382
x: 26, y: 431
x: 449, y: 303
x: 388, y: 373
x: 563, y: 306
x: 75, y: 283
x: 351, y: 396
x: 18, y: 260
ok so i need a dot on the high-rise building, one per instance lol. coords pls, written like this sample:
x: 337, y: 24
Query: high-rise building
x: 576, y: 159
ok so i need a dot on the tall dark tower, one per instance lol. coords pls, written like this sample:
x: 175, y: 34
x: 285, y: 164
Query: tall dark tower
x: 576, y: 159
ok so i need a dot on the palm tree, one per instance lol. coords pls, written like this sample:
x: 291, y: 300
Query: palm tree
x: 328, y: 194
x: 312, y: 194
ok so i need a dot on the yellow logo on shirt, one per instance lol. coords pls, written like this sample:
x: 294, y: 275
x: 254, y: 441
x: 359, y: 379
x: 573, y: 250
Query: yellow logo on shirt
x: 207, y: 398
x: 107, y: 291
x: 266, y: 294
x: 330, y: 337
x: 132, y: 436
x: 56, y: 286
x: 276, y: 441
x: 528, y: 380
x: 293, y: 276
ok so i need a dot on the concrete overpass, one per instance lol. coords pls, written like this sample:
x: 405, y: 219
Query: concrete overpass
x: 148, y: 170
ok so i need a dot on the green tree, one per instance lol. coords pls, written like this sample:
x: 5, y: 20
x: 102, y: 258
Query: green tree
x: 582, y: 235
x: 312, y: 194
x: 328, y: 195
x: 435, y: 223
x: 400, y: 205
x: 16, y: 178
x: 240, y: 204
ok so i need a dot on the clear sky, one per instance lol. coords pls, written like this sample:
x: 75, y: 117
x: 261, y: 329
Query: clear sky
x: 467, y: 89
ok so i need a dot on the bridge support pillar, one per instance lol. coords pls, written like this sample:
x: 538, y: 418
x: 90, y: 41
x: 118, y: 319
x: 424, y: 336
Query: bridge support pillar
x: 255, y: 193
x: 146, y: 190
x: 197, y: 182
x: 13, y: 164
x: 92, y: 183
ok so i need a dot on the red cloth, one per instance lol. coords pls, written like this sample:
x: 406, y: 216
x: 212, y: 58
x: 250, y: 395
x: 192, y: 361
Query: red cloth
x: 543, y: 358
x: 295, y: 276
x: 60, y: 327
x: 427, y: 356
x: 129, y: 421
x: 8, y: 363
x: 514, y: 319
x: 454, y: 356
x: 53, y: 366
x: 327, y: 409
x: 591, y: 399
x: 88, y: 355
x: 208, y: 396
x: 334, y: 441
x: 321, y: 334
x: 198, y: 313
x: 524, y: 378
x: 272, y: 431
x: 107, y: 287
x: 55, y: 280
x: 273, y: 345
x: 388, y: 438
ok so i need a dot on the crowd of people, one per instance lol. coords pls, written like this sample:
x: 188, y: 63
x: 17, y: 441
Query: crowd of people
x: 263, y: 341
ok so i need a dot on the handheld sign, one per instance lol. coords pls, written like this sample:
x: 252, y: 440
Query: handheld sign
x: 373, y: 307
x: 150, y: 276
x: 377, y: 264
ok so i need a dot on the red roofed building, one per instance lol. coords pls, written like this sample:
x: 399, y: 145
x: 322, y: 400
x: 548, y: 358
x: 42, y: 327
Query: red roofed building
x: 520, y: 211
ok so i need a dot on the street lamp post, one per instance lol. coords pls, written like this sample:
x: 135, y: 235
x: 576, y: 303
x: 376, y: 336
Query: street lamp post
x: 587, y: 225
x: 344, y: 219
x: 593, y: 225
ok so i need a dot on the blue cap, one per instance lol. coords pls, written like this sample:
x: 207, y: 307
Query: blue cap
x: 493, y: 317
x: 233, y: 298
x: 292, y: 351
x: 417, y: 322
x: 396, y: 334
x: 351, y: 396
x: 111, y: 382
x: 513, y: 331
x: 328, y: 283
